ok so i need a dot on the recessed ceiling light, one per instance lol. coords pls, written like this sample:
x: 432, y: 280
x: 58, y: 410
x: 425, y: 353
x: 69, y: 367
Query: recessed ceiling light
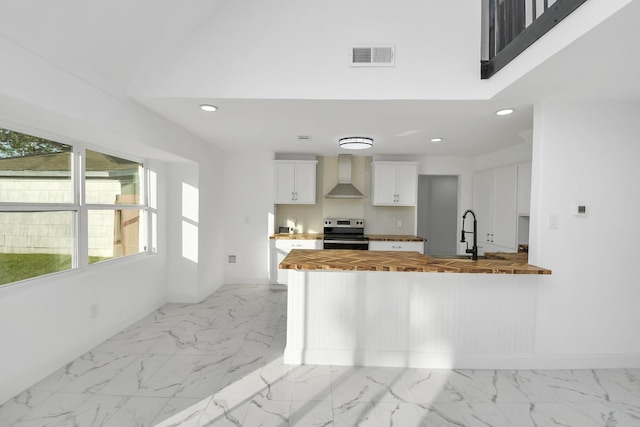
x: 505, y: 112
x: 436, y: 139
x: 208, y: 107
x: 356, y: 143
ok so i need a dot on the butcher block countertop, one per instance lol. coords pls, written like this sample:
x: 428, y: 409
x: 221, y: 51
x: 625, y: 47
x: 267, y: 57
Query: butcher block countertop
x: 298, y: 236
x: 394, y: 238
x: 346, y: 260
x: 509, y: 256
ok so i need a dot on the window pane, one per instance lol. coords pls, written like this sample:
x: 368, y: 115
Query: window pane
x: 34, y: 170
x: 34, y: 243
x: 111, y: 180
x: 114, y: 233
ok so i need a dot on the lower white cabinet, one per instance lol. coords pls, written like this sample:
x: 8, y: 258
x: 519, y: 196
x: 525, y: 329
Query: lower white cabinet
x: 280, y: 248
x: 375, y: 245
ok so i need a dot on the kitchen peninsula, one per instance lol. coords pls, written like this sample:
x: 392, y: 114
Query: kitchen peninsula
x: 404, y: 309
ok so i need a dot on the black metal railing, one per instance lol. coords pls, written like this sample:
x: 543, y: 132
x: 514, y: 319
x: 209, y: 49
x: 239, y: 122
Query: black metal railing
x: 514, y: 25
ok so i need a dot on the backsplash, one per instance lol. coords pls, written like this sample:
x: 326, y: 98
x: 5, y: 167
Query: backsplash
x: 378, y: 219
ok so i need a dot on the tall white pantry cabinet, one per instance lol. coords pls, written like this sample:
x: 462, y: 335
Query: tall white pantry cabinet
x: 498, y: 197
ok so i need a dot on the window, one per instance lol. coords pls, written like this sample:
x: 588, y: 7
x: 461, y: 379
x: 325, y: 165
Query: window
x: 35, y: 243
x: 116, y: 225
x: 64, y: 207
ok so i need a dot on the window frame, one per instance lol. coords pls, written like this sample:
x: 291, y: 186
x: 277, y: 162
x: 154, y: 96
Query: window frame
x: 143, y: 205
x: 80, y: 209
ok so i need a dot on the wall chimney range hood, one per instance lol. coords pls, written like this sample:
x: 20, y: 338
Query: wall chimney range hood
x: 344, y: 189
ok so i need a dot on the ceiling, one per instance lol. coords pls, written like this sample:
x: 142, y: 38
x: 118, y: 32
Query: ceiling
x: 100, y: 44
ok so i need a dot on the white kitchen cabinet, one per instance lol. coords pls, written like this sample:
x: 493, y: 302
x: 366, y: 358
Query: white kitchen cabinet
x: 494, y: 202
x: 295, y: 182
x: 280, y: 248
x: 395, y: 183
x: 524, y: 189
x: 376, y: 245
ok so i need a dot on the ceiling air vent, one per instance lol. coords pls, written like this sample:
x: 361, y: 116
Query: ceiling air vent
x: 379, y: 55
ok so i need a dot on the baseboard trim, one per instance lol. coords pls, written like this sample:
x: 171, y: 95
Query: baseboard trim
x: 297, y: 356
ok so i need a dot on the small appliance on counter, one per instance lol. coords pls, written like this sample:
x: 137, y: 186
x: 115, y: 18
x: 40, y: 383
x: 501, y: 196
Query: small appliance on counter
x: 344, y: 233
x: 285, y: 230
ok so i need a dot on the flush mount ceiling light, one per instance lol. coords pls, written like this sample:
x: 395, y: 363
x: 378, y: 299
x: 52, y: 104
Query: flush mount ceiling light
x: 208, y: 107
x: 355, y: 143
x: 505, y: 112
x: 436, y: 139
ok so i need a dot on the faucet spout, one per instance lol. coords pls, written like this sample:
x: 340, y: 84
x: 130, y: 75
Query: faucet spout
x: 474, y: 249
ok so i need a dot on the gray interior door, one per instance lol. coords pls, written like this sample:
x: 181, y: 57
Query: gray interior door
x: 438, y: 213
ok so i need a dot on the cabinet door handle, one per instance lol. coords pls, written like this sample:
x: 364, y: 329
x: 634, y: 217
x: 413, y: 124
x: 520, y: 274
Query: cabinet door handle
x: 396, y: 247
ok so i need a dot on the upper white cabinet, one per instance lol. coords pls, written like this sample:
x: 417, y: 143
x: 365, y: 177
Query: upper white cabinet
x: 524, y: 188
x: 295, y: 182
x: 395, y: 183
x: 494, y: 202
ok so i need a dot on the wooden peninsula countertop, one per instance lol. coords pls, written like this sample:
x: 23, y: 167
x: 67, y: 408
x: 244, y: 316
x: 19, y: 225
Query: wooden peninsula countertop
x: 298, y: 236
x: 395, y: 238
x: 346, y: 260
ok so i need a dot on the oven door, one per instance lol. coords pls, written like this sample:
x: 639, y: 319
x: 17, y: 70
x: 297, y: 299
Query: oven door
x: 362, y: 245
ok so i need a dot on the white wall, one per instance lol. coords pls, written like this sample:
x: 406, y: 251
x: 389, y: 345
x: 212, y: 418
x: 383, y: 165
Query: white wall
x: 289, y: 49
x: 212, y: 222
x: 587, y: 153
x: 45, y: 322
x: 182, y: 237
x: 248, y: 207
x: 300, y: 50
x: 517, y: 153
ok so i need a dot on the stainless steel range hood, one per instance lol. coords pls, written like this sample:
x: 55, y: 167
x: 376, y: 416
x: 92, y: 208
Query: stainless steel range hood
x: 344, y: 189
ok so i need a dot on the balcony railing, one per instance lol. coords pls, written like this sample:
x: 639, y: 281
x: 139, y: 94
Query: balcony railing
x: 511, y: 26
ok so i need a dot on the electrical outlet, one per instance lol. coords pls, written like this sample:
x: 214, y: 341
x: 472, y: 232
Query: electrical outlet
x: 399, y: 223
x: 93, y: 310
x: 232, y: 259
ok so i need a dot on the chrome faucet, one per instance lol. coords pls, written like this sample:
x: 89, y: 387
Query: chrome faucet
x: 474, y: 250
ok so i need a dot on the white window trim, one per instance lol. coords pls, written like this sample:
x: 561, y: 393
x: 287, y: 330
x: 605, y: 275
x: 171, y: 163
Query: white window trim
x: 80, y: 231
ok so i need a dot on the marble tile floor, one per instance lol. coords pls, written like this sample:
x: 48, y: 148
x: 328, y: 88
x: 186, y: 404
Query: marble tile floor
x: 219, y: 363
